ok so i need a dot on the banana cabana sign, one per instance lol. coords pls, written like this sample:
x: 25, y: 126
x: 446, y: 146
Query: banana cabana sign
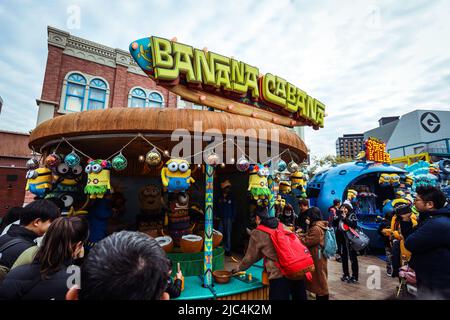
x: 225, y: 83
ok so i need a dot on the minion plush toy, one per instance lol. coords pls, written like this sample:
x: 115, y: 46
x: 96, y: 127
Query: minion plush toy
x: 298, y: 181
x: 39, y: 181
x: 258, y: 184
x: 385, y: 180
x: 285, y: 187
x: 395, y: 180
x: 409, y: 181
x: 176, y: 175
x: 98, y: 182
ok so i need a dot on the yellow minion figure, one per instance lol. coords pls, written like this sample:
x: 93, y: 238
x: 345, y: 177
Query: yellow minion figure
x: 298, y: 183
x: 285, y: 187
x: 385, y: 180
x: 176, y: 175
x: 351, y: 194
x: 298, y: 180
x: 395, y: 180
x: 409, y: 181
x: 39, y: 181
x: 98, y: 182
x: 258, y: 184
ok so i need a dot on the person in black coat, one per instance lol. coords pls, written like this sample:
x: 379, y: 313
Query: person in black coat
x: 35, y: 219
x: 429, y: 243
x: 347, y: 218
x: 47, y: 278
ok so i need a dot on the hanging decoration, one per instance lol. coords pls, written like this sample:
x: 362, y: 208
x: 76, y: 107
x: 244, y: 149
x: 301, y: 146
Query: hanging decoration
x: 213, y: 159
x: 32, y: 164
x: 153, y: 157
x: 292, y: 167
x: 98, y: 183
x: 282, y: 165
x: 72, y: 159
x: 242, y: 164
x: 119, y: 162
x: 52, y: 161
x: 176, y: 175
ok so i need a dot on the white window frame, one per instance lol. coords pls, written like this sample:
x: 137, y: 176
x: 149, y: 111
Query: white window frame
x: 88, y: 78
x: 147, y: 97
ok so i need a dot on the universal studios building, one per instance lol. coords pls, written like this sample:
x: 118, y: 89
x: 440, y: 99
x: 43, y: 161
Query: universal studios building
x: 416, y: 132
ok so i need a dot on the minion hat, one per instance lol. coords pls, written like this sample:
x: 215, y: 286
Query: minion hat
x: 285, y: 183
x: 397, y: 202
x: 225, y: 184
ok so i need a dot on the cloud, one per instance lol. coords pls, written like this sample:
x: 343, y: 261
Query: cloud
x: 364, y: 59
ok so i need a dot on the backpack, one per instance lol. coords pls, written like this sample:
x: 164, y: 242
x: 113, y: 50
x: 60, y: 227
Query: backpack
x: 294, y: 259
x: 3, y: 269
x: 330, y: 245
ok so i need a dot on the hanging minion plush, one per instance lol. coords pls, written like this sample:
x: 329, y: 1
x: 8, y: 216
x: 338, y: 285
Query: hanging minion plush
x: 98, y: 182
x: 395, y: 180
x: 39, y: 181
x: 385, y: 180
x: 67, y: 186
x: 176, y: 175
x: 258, y: 184
x: 298, y: 183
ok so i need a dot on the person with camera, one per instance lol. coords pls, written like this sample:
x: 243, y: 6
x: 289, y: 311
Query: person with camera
x: 429, y: 243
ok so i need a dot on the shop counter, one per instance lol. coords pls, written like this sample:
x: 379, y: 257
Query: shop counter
x: 236, y: 289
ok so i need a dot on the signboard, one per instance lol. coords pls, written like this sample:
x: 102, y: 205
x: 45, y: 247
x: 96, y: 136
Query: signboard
x: 225, y: 83
x: 376, y: 151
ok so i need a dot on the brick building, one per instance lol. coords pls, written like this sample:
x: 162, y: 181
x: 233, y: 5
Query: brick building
x: 83, y: 75
x: 14, y: 153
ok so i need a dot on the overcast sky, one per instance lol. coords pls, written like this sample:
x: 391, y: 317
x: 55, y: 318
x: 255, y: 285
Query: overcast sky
x: 363, y: 59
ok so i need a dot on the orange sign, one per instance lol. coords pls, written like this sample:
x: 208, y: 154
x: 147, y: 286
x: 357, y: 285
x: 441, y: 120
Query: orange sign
x: 376, y: 151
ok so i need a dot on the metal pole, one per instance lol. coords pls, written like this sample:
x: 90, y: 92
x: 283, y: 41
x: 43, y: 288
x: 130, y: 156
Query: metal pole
x: 209, y: 196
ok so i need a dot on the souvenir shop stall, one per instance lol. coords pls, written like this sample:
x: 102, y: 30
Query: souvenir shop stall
x: 125, y: 164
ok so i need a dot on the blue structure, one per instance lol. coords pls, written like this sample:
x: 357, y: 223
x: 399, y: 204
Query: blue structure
x: 333, y: 183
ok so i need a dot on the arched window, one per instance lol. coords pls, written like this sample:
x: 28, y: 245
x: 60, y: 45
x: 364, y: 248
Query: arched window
x: 97, y: 95
x: 75, y: 92
x: 138, y: 98
x: 155, y: 100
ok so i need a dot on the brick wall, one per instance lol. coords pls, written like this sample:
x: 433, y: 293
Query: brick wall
x: 119, y: 79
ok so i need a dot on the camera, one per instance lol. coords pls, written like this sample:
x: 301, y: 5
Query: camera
x: 402, y: 209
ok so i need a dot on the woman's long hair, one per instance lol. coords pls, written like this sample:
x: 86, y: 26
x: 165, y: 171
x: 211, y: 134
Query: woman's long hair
x: 59, y: 243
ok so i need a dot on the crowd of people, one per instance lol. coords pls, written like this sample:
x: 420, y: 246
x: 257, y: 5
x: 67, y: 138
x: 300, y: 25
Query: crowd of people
x: 42, y: 253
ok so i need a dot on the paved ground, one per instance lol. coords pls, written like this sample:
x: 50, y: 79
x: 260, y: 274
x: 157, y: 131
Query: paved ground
x: 363, y: 290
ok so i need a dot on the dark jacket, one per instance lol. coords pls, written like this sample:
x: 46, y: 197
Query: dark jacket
x: 26, y: 283
x: 174, y: 288
x: 384, y: 224
x: 226, y: 207
x: 429, y: 244
x: 10, y: 255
